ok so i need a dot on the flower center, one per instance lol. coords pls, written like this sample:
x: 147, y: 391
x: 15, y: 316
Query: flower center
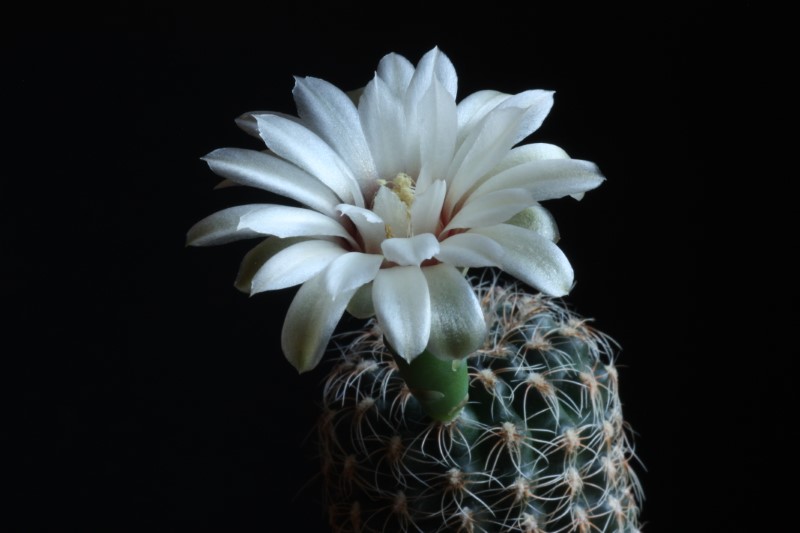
x: 403, y: 186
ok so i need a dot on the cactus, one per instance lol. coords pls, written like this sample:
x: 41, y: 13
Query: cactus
x: 540, y: 447
x: 461, y: 406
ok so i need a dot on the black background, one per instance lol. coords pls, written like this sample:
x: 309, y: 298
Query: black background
x: 150, y: 394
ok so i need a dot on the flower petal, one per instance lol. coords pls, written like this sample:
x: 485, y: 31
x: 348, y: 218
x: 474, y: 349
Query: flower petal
x: 396, y: 71
x: 394, y: 213
x: 257, y: 256
x: 248, y: 123
x: 294, y: 265
x: 426, y: 211
x: 437, y: 111
x: 433, y: 65
x: 536, y: 105
x: 256, y: 169
x: 286, y: 221
x: 527, y: 153
x: 532, y: 258
x: 383, y: 121
x: 299, y: 145
x: 480, y: 152
x: 410, y: 251
x: 369, y: 225
x: 351, y: 271
x: 545, y: 179
x: 222, y: 227
x: 457, y: 324
x: 360, y: 305
x: 474, y: 107
x: 330, y: 113
x: 491, y: 209
x: 470, y: 250
x: 403, y: 307
x: 309, y: 323
x: 537, y: 218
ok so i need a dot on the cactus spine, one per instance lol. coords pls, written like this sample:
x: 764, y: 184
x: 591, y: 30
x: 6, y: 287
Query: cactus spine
x: 540, y: 447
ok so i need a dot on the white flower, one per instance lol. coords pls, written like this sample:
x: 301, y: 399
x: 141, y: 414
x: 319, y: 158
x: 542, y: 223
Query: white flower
x: 400, y: 191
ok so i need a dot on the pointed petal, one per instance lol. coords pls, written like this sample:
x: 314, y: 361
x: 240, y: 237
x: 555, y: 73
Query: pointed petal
x: 537, y: 218
x: 426, y: 210
x: 256, y: 169
x: 257, y: 256
x: 545, y: 179
x: 490, y: 209
x: 393, y: 212
x: 369, y: 225
x: 470, y: 250
x: 247, y: 121
x: 360, y: 305
x: 396, y: 71
x: 299, y: 145
x: 222, y: 227
x: 310, y: 321
x: 536, y: 105
x: 531, y: 258
x: 403, y: 307
x: 480, y: 152
x: 433, y: 65
x: 294, y: 265
x: 410, y: 251
x: 383, y: 121
x: 330, y: 113
x: 437, y: 111
x: 527, y: 153
x: 286, y: 221
x: 472, y: 109
x: 351, y: 271
x: 457, y: 324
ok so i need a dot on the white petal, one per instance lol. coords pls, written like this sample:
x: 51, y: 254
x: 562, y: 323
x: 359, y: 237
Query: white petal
x: 247, y: 121
x: 437, y: 111
x: 491, y: 209
x: 470, y: 250
x: 527, y: 153
x: 256, y: 169
x: 369, y: 225
x: 426, y: 210
x: 536, y: 105
x: 299, y: 145
x: 410, y: 251
x: 403, y: 307
x: 286, y: 221
x: 222, y: 227
x: 310, y: 321
x: 394, y: 213
x: 474, y: 107
x: 457, y: 324
x: 480, y: 152
x: 532, y: 258
x: 396, y: 71
x: 433, y: 65
x: 383, y: 121
x: 294, y: 265
x: 360, y: 305
x: 330, y: 113
x: 351, y: 271
x: 546, y: 179
x: 537, y: 218
x: 257, y: 256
